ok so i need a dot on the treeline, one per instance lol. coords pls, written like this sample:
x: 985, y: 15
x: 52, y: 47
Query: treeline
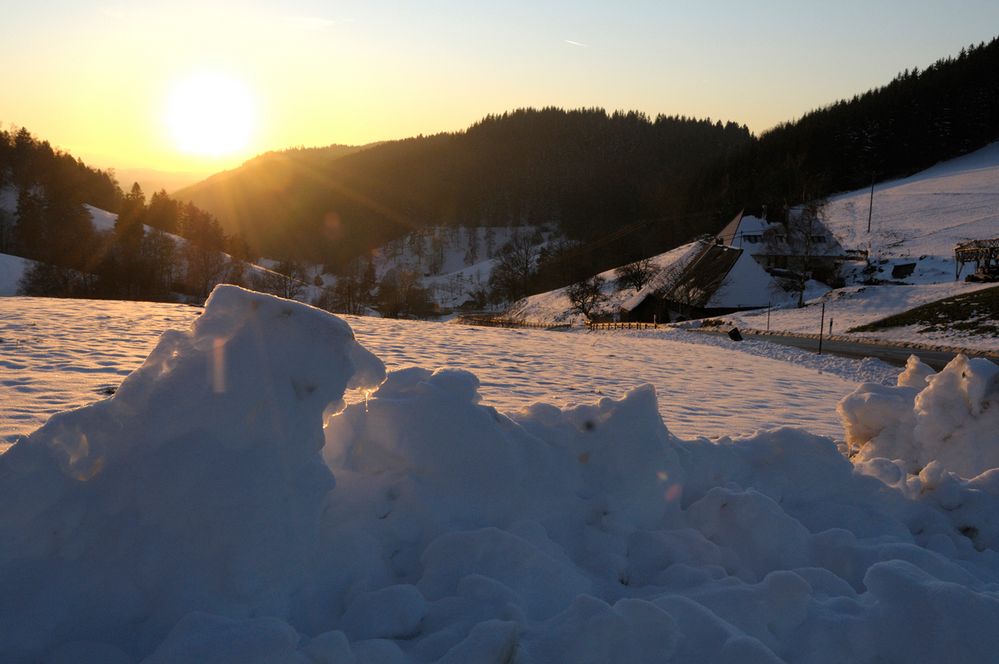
x: 585, y: 171
x: 918, y: 119
x: 52, y: 226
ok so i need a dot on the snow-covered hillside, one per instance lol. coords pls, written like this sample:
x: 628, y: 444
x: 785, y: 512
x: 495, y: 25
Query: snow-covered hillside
x: 205, y: 514
x: 554, y: 307
x: 745, y: 285
x: 920, y: 219
x: 453, y: 263
x: 12, y: 268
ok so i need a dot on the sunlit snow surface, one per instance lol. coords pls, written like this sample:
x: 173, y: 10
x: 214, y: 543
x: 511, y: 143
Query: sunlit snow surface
x: 57, y: 354
x: 225, y: 505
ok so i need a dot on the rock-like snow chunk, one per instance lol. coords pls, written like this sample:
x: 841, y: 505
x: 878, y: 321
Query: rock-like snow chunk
x: 951, y: 417
x: 198, y: 485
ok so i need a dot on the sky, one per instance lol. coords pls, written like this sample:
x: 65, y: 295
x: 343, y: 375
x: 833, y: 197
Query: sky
x: 202, y: 86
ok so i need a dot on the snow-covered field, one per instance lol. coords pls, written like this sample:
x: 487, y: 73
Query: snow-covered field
x: 59, y: 354
x: 205, y: 514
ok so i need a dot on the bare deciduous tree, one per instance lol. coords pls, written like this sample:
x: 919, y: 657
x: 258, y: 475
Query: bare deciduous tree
x: 586, y: 295
x: 634, y: 275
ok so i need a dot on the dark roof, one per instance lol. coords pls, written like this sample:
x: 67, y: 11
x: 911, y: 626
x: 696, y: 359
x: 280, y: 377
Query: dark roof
x: 705, y: 276
x: 727, y: 234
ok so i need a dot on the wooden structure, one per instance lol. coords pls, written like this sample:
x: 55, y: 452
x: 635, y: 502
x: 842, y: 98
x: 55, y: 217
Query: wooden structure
x: 984, y: 254
x: 687, y: 293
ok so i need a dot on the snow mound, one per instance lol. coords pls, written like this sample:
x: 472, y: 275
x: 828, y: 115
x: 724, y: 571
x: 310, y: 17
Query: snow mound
x: 951, y: 417
x: 194, y: 517
x: 199, y: 485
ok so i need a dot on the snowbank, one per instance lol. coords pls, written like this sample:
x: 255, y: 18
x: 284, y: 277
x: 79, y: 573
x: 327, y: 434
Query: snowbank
x: 191, y: 518
x: 950, y: 418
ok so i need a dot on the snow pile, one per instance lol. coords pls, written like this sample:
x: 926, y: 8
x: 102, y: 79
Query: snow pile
x: 197, y: 486
x: 191, y: 518
x: 951, y: 418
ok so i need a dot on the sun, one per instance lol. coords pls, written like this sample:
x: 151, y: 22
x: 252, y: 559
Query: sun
x: 210, y: 115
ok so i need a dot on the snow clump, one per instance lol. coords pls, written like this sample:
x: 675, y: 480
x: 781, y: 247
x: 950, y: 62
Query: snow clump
x: 194, y: 517
x: 950, y: 418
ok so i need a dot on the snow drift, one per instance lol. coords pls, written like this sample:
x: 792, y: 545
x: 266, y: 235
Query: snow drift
x: 950, y: 418
x: 194, y: 517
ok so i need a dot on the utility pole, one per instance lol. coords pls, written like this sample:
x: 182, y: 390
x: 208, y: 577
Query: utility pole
x: 768, y: 316
x: 870, y: 208
x: 822, y: 324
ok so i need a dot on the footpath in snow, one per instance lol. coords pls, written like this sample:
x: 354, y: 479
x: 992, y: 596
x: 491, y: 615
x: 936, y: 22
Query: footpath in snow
x: 227, y: 505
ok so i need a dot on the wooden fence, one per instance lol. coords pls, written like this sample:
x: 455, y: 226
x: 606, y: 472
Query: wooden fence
x: 623, y: 326
x: 487, y: 321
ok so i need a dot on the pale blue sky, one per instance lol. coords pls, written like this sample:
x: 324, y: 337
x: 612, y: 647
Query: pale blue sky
x: 91, y: 76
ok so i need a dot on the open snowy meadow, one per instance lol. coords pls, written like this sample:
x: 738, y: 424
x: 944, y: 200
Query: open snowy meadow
x: 264, y: 482
x: 59, y: 354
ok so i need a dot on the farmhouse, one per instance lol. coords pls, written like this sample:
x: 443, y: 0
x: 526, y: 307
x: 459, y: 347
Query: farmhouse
x: 715, y: 279
x: 802, y: 244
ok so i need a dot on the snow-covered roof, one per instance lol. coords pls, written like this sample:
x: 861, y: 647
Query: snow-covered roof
x: 745, y: 286
x: 734, y: 232
x: 762, y: 237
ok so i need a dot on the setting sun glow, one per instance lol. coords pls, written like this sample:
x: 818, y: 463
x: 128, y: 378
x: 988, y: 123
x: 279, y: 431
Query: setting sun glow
x: 210, y: 115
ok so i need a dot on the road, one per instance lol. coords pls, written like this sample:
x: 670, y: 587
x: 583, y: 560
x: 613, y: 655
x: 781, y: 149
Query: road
x: 889, y: 353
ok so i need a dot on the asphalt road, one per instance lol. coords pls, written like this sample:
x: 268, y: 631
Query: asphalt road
x: 889, y: 353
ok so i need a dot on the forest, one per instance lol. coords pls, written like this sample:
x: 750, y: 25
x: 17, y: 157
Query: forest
x: 139, y: 258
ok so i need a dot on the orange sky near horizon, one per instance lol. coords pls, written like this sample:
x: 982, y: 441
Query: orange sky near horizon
x: 100, y: 80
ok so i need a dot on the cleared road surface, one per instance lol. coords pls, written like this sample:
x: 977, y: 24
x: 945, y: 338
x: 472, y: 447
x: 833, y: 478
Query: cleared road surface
x: 937, y: 359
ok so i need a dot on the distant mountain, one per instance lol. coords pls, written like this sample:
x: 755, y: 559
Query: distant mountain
x: 621, y: 186
x: 587, y: 172
x: 152, y: 180
x: 233, y: 194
